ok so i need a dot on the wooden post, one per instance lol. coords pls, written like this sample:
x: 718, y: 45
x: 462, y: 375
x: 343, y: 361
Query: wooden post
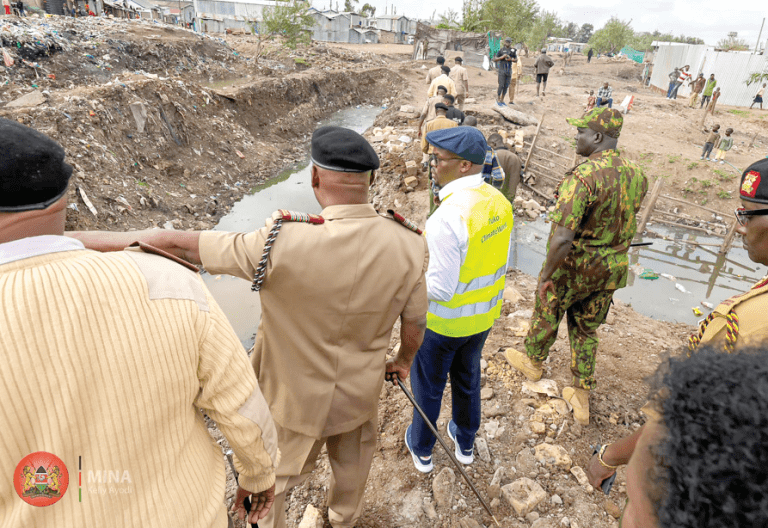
x: 729, y: 238
x: 533, y: 142
x: 646, y: 214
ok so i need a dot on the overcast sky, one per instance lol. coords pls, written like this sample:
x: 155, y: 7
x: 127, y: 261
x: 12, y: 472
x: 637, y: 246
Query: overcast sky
x: 710, y: 20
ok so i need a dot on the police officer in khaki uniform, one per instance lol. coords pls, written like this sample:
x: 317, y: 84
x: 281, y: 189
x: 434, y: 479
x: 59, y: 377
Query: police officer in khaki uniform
x: 332, y: 286
x: 736, y: 322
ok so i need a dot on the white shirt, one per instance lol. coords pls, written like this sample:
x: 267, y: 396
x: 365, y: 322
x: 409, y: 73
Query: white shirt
x: 29, y: 247
x: 448, y: 240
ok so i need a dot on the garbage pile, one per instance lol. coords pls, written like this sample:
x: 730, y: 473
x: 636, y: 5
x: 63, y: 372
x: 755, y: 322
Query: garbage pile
x: 30, y: 41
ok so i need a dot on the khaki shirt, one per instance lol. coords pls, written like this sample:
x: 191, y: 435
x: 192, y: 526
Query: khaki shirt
x: 443, y: 80
x: 751, y: 308
x: 438, y: 123
x: 460, y: 79
x: 331, y: 294
x: 429, y: 112
x: 434, y: 73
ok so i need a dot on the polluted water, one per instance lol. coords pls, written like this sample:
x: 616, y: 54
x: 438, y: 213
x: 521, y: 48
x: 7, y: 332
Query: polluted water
x: 292, y: 190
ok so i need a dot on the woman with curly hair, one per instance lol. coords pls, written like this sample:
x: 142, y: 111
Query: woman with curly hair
x: 703, y: 462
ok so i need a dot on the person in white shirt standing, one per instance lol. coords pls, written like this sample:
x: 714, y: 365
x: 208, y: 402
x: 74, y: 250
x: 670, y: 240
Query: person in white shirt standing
x: 682, y: 77
x: 468, y: 238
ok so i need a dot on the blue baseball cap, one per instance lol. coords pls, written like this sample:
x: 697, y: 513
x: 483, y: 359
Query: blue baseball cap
x: 464, y: 141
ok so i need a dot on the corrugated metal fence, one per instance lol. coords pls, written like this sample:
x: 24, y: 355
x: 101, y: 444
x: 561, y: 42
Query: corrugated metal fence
x: 731, y: 70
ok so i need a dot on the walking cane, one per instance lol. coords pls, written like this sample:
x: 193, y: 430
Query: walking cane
x: 445, y: 446
x: 247, y: 500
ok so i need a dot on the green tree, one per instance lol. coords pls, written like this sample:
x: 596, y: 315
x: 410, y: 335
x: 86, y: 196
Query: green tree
x: 732, y: 43
x: 349, y: 5
x: 288, y: 19
x: 612, y: 37
x: 368, y: 10
x: 570, y: 30
x: 545, y: 25
x: 513, y: 18
x: 471, y: 19
x: 585, y: 33
x: 449, y: 20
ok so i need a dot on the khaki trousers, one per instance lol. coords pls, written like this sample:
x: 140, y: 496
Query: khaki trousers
x: 459, y: 102
x: 694, y: 99
x: 350, y: 455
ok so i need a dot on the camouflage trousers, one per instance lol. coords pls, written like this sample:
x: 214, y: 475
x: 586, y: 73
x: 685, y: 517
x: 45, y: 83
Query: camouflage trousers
x: 585, y: 312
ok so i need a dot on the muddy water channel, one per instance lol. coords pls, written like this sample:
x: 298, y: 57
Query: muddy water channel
x: 689, y: 276
x: 698, y: 276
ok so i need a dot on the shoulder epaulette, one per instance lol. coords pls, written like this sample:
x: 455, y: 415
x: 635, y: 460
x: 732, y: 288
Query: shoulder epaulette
x: 400, y: 219
x: 726, y: 311
x: 292, y: 216
x: 279, y: 216
x: 146, y: 248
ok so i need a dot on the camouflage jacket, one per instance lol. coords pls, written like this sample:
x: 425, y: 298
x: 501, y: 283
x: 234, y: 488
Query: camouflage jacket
x: 599, y: 200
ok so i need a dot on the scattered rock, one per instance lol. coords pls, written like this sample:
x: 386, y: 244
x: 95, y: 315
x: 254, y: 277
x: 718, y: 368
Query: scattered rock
x: 525, y: 462
x: 411, y: 166
x: 493, y: 491
x: 429, y: 509
x: 542, y: 523
x: 482, y: 449
x: 312, y: 518
x: 552, y: 456
x: 498, y: 475
x: 538, y: 427
x: 468, y: 522
x: 411, y: 181
x: 512, y: 295
x: 442, y: 488
x: 555, y: 499
x: 581, y: 477
x: 544, y: 386
x: 486, y: 393
x: 565, y: 521
x: 483, y: 364
x: 492, y: 429
x: 495, y: 410
x: 612, y: 510
x: 532, y: 517
x: 35, y: 98
x: 413, y: 504
x: 523, y: 495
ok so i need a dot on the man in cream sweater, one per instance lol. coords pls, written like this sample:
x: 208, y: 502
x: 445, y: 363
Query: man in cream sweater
x: 107, y: 361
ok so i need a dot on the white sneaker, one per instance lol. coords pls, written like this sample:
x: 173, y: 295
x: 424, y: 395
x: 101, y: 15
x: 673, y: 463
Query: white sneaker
x: 465, y: 457
x: 722, y: 162
x: 422, y: 464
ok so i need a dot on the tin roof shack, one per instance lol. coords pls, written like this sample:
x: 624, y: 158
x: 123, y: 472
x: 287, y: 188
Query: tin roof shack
x: 398, y: 24
x: 216, y: 16
x: 359, y: 35
x: 330, y: 26
x: 431, y: 42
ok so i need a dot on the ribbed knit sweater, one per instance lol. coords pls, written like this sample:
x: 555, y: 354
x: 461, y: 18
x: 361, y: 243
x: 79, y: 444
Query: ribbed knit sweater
x: 107, y: 359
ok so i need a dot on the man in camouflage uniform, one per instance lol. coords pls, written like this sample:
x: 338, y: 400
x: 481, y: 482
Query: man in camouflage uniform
x: 593, y: 225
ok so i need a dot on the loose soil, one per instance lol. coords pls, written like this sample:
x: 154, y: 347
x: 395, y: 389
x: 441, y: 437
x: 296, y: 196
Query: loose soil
x: 219, y: 120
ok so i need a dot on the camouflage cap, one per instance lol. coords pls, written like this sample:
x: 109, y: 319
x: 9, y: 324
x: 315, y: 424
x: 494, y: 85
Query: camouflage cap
x: 605, y: 120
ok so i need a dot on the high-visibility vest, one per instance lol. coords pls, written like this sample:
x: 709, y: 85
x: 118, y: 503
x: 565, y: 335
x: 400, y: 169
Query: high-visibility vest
x: 476, y: 304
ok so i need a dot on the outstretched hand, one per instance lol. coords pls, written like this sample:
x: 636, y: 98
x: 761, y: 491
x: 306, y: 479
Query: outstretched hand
x: 597, y: 473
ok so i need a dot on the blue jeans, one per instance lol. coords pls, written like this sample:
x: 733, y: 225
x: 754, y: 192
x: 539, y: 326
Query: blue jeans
x: 673, y: 95
x: 600, y: 102
x: 439, y: 356
x: 671, y: 87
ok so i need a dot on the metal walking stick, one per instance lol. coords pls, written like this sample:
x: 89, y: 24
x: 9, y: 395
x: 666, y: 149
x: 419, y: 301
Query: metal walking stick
x: 445, y: 446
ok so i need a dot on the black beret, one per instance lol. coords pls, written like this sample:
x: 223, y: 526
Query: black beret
x: 458, y: 59
x: 441, y: 87
x: 442, y: 106
x: 754, y: 182
x: 33, y: 174
x: 445, y: 69
x: 342, y: 150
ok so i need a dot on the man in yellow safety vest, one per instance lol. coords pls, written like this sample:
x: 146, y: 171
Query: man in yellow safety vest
x: 468, y: 238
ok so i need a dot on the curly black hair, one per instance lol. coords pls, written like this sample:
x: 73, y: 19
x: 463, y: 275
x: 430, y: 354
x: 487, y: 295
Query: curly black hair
x: 712, y: 467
